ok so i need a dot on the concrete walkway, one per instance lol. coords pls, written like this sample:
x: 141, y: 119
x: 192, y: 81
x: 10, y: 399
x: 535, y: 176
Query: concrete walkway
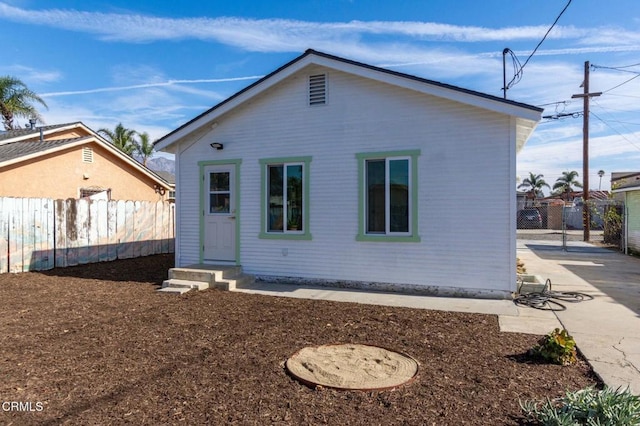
x: 606, y: 329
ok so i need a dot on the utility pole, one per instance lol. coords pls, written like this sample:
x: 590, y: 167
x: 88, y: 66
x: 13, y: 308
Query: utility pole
x: 504, y: 71
x: 586, y: 220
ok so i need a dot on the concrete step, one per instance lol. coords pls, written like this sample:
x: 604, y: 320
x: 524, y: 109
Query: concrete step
x: 176, y: 283
x: 174, y: 290
x: 201, y: 277
x: 234, y: 282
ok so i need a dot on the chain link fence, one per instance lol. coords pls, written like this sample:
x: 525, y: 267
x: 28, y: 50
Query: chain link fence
x: 562, y: 222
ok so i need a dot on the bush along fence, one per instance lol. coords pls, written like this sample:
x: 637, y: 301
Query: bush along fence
x: 38, y: 233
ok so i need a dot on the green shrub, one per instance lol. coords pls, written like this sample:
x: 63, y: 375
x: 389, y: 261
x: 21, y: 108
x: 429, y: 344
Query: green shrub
x: 557, y: 347
x: 587, y: 407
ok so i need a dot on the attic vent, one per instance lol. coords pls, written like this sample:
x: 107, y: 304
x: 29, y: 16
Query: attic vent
x: 87, y: 155
x: 318, y: 89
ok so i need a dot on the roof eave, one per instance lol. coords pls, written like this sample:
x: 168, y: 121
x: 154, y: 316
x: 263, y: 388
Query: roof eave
x: 625, y: 189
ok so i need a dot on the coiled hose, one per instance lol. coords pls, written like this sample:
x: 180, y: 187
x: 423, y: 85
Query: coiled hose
x: 548, y: 300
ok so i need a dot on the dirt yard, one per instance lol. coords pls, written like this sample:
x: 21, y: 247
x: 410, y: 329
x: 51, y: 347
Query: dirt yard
x: 97, y: 344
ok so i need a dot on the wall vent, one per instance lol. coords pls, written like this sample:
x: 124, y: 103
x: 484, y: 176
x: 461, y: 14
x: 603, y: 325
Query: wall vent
x: 87, y: 155
x: 318, y: 89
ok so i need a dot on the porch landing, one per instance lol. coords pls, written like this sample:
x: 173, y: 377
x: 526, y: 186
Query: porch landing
x: 204, y: 276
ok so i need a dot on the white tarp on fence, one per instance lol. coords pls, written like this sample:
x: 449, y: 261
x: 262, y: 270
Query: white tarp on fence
x: 40, y: 233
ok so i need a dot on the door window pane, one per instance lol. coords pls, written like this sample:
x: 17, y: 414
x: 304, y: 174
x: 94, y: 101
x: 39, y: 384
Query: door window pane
x: 219, y: 181
x: 219, y: 203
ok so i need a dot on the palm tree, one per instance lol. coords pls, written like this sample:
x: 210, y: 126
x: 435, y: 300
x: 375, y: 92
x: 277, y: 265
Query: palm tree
x: 600, y: 173
x: 565, y: 183
x: 144, y: 148
x: 16, y: 100
x: 534, y: 184
x: 121, y: 137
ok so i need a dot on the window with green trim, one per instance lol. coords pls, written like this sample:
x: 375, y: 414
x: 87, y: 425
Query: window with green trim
x: 388, y: 196
x: 285, y: 198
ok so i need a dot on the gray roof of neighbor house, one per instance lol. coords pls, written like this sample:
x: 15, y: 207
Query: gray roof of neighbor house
x: 13, y: 150
x: 20, y: 133
x: 355, y: 66
x: 169, y: 177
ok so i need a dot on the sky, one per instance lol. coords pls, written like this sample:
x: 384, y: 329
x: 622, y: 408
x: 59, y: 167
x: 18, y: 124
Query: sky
x: 153, y: 65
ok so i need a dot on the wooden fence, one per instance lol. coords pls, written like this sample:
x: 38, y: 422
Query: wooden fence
x: 39, y: 233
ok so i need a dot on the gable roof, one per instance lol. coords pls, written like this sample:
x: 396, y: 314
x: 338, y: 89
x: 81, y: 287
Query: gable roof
x: 25, y: 144
x: 18, y: 150
x: 527, y: 116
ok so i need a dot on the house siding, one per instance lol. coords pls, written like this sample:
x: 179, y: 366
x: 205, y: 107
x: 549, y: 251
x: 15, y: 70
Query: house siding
x: 464, y: 184
x: 633, y: 220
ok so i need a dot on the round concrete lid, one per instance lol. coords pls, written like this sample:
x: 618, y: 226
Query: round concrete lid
x: 351, y: 367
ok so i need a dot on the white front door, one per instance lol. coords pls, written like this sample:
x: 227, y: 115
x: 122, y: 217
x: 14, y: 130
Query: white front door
x: 219, y: 213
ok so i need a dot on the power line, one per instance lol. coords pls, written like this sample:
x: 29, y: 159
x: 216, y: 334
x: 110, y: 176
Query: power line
x: 623, y: 83
x: 554, y: 103
x: 576, y: 114
x: 623, y: 96
x: 619, y: 134
x: 624, y: 122
x: 620, y: 68
x: 606, y: 110
x: 629, y: 66
x: 518, y: 74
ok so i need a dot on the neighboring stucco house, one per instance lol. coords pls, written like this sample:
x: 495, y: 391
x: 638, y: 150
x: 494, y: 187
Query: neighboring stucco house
x: 72, y: 161
x: 626, y: 187
x: 333, y: 171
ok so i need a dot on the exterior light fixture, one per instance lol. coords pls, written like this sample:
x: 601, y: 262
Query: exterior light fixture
x: 216, y: 145
x: 159, y: 189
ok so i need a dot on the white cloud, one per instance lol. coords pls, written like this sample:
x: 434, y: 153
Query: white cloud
x: 30, y: 75
x: 283, y: 35
x: 145, y: 86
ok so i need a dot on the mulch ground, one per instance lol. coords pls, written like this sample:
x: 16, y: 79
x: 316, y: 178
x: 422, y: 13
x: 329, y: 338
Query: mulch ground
x: 97, y: 344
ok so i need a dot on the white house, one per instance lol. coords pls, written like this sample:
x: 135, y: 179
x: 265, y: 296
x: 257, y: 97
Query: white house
x: 332, y: 171
x: 626, y: 187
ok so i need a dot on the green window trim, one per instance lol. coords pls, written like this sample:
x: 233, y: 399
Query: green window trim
x: 305, y: 234
x: 201, y: 166
x: 362, y: 159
